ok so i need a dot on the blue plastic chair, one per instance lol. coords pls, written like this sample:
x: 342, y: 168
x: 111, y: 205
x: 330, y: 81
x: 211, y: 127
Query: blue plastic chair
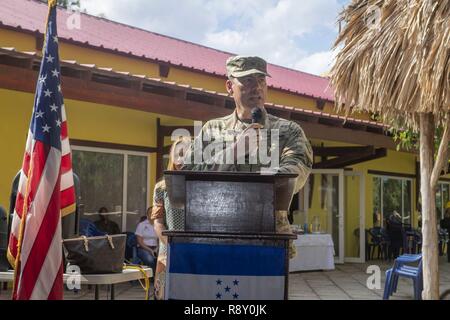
x: 131, y: 249
x: 402, y: 269
x: 88, y: 229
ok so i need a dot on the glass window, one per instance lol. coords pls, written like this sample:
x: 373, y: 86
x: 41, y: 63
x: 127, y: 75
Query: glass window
x: 439, y: 202
x: 136, y: 191
x: 442, y: 197
x: 392, y: 195
x: 407, y: 200
x: 102, y: 185
x: 377, y: 205
x: 445, y: 196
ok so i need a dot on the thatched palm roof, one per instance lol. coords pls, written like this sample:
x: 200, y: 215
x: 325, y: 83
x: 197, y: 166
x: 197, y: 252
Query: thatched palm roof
x: 399, y: 65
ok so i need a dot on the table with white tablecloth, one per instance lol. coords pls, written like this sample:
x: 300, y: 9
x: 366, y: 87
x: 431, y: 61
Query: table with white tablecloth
x: 314, y: 252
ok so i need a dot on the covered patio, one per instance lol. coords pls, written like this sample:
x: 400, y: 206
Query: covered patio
x: 346, y: 282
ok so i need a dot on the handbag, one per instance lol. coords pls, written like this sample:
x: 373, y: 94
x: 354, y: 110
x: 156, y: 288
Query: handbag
x: 95, y: 255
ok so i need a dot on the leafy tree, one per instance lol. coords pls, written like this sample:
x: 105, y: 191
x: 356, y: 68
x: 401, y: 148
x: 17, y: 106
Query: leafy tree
x: 68, y: 4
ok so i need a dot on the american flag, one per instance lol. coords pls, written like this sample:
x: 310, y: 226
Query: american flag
x: 46, y: 189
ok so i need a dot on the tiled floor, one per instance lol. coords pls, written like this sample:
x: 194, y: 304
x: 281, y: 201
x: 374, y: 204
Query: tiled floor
x: 347, y: 282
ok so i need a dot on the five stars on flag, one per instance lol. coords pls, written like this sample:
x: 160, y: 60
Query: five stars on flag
x: 227, y: 289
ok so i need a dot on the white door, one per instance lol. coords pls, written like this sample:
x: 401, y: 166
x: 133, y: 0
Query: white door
x: 324, y: 201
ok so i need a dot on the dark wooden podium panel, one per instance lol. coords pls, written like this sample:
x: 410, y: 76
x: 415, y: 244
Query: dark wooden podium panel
x: 229, y: 201
x: 221, y: 206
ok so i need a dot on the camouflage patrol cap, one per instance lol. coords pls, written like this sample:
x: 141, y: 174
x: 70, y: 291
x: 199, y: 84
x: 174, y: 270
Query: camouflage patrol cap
x: 241, y: 66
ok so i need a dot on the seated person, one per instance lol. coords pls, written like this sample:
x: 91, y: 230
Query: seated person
x: 104, y: 224
x: 394, y: 230
x: 147, y: 241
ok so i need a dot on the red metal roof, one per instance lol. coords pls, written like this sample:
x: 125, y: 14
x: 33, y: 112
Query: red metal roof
x: 30, y: 15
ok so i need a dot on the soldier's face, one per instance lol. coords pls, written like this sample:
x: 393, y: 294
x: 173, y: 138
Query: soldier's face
x: 248, y: 92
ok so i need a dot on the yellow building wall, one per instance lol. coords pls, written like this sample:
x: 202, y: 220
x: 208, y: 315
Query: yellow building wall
x: 86, y: 121
x: 18, y: 40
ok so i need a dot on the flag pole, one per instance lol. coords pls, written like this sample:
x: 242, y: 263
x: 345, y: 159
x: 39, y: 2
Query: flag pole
x: 22, y: 227
x: 51, y: 3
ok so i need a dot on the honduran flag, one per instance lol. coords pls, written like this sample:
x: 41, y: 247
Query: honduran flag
x: 199, y: 271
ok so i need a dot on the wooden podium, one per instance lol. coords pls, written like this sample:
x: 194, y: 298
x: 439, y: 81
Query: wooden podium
x: 229, y: 249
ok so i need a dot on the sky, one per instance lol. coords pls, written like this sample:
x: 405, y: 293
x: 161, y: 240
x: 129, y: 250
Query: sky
x: 297, y: 34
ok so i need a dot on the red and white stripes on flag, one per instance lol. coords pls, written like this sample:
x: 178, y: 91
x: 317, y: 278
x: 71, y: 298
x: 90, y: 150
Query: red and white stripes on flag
x: 50, y: 190
x: 46, y: 190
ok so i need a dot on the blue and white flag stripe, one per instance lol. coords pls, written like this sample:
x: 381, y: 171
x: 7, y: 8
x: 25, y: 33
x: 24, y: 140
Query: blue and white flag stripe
x: 244, y: 260
x: 225, y: 272
x: 209, y: 287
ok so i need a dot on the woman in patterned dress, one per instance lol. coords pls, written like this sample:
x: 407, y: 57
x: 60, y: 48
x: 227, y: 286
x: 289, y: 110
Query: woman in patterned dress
x: 164, y: 216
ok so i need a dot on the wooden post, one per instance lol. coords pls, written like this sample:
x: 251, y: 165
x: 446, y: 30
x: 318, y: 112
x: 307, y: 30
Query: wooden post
x: 429, y: 223
x: 160, y: 149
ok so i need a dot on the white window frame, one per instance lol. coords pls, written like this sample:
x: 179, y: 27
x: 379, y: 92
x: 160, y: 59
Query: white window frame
x: 440, y: 184
x: 402, y: 179
x: 125, y: 154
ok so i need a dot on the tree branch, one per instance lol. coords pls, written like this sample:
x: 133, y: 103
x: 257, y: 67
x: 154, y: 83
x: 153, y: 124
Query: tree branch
x: 442, y: 156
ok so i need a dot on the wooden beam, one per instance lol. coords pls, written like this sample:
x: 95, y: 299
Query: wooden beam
x: 220, y: 101
x: 379, y: 153
x: 349, y: 160
x: 320, y: 131
x: 86, y: 75
x: 17, y: 61
x: 391, y: 174
x: 20, y: 79
x: 167, y: 131
x: 281, y: 113
x: 341, y: 151
x: 334, y: 122
x: 108, y: 145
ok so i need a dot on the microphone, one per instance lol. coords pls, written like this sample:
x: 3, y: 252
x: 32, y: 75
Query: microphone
x: 256, y: 115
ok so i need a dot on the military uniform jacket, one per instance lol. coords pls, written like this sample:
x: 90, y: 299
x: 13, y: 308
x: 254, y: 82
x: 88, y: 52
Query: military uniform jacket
x: 294, y: 150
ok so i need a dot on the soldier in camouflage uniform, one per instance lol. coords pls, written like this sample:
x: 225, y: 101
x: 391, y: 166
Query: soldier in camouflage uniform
x: 247, y: 84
